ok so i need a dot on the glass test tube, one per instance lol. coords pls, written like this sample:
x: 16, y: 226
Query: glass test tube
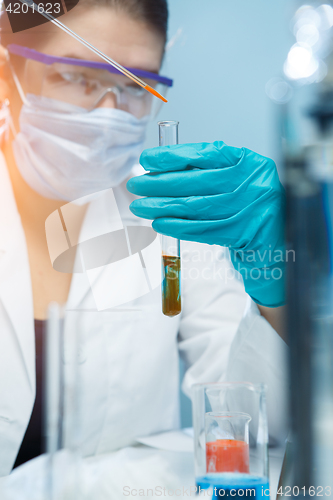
x: 171, y: 268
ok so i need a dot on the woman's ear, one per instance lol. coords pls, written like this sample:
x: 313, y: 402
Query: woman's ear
x: 5, y: 75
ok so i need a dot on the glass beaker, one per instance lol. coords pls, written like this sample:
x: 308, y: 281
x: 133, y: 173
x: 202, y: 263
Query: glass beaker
x: 227, y: 442
x: 171, y: 268
x: 230, y: 434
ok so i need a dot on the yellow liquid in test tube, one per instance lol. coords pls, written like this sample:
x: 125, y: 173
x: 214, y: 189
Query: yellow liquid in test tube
x: 171, y: 297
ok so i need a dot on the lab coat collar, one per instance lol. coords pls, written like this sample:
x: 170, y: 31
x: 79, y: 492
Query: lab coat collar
x: 15, y: 281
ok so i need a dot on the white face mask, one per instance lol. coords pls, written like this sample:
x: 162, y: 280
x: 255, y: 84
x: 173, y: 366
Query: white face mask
x: 65, y: 153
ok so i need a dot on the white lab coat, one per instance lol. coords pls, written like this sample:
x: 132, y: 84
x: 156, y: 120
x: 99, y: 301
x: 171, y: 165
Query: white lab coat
x: 129, y: 355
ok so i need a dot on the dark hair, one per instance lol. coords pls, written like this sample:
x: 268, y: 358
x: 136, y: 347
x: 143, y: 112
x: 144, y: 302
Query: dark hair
x: 152, y: 12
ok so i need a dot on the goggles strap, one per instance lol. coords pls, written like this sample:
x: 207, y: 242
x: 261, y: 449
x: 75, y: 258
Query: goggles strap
x: 17, y: 81
x: 12, y: 126
x: 6, y: 118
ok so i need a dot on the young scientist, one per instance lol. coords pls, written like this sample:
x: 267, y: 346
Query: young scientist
x: 77, y: 129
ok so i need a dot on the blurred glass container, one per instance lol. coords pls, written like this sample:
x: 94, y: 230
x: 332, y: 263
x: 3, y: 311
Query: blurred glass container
x: 230, y: 431
x: 305, y: 99
x: 62, y: 414
x: 227, y: 442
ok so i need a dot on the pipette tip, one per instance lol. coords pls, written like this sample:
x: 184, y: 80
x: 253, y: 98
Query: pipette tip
x: 155, y: 93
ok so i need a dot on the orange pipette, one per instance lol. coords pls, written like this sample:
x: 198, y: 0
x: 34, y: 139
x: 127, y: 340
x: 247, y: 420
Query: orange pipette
x: 91, y: 47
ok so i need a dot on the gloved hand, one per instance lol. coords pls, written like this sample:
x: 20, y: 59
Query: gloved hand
x: 217, y: 194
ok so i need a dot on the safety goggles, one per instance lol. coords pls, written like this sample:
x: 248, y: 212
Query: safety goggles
x: 86, y: 84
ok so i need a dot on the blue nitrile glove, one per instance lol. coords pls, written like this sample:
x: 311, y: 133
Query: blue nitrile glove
x: 217, y: 194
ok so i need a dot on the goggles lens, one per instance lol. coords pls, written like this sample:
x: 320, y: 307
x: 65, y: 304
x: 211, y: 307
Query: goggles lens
x: 88, y: 84
x: 89, y: 88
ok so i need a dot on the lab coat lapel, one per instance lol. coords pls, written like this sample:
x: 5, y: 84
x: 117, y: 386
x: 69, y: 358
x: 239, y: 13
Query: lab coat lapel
x: 15, y: 281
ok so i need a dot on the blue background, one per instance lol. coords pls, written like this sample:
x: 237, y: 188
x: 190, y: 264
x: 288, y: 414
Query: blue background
x: 225, y: 53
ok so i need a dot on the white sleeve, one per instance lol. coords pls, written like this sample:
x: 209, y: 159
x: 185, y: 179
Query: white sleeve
x: 213, y: 302
x: 258, y: 354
